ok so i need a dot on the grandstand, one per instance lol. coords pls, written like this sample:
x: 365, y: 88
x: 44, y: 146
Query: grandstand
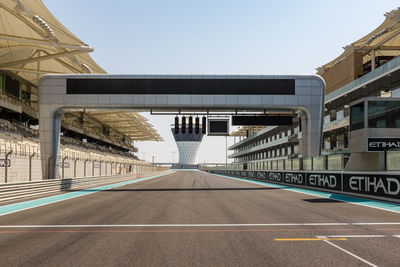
x: 79, y: 159
x: 369, y: 67
x: 34, y: 43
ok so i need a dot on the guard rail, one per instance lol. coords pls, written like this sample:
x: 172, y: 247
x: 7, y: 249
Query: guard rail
x: 21, y: 190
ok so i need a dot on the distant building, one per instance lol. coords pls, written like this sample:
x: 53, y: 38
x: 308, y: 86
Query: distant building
x: 369, y: 67
x: 188, y: 145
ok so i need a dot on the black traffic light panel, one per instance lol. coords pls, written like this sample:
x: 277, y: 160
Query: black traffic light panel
x: 204, y: 125
x: 197, y: 126
x: 190, y: 130
x: 176, y: 125
x: 183, y: 129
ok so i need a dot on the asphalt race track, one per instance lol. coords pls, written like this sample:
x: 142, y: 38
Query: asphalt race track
x: 190, y: 218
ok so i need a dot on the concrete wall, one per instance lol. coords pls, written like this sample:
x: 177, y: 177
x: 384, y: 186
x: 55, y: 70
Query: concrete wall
x: 23, y: 168
x: 25, y: 164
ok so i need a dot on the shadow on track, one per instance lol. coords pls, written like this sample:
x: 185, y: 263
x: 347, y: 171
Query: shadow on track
x: 322, y: 200
x: 180, y: 189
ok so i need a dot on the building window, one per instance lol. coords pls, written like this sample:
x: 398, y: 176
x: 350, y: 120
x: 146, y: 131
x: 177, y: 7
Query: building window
x: 357, y: 117
x: 327, y: 119
x: 340, y: 115
x: 384, y: 114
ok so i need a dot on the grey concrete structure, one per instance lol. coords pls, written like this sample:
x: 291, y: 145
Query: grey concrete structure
x: 372, y: 122
x: 59, y: 93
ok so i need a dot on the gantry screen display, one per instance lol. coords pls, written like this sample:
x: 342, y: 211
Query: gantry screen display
x: 218, y: 126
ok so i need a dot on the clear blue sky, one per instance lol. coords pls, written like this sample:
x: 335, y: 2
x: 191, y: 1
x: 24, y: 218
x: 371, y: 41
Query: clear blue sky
x: 216, y: 37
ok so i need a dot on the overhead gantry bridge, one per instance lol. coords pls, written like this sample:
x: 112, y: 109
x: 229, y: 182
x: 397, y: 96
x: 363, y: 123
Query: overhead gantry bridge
x: 303, y: 95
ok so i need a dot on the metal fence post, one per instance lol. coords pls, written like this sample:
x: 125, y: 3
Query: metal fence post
x: 84, y: 168
x: 75, y: 166
x: 62, y: 167
x: 30, y: 165
x: 6, y: 165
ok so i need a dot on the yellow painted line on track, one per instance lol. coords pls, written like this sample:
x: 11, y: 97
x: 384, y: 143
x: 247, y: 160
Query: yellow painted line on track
x: 308, y: 239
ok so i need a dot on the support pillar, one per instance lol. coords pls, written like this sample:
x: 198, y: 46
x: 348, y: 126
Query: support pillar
x: 50, y: 127
x: 373, y: 61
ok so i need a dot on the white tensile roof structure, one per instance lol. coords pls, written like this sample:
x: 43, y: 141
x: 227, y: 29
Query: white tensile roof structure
x: 384, y: 41
x: 33, y: 43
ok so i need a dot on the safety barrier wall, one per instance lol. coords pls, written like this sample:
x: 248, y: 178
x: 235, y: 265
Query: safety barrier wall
x: 20, y: 162
x: 382, y: 186
x: 17, y: 191
x: 27, y: 168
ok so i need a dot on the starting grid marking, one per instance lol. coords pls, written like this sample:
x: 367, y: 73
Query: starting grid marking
x: 350, y: 253
x: 309, y: 239
x: 335, y: 237
x: 189, y: 229
x: 329, y: 238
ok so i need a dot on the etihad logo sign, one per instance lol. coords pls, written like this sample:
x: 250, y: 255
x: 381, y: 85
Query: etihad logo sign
x: 375, y: 185
x: 322, y: 180
x: 381, y: 185
x: 294, y: 178
x: 382, y: 143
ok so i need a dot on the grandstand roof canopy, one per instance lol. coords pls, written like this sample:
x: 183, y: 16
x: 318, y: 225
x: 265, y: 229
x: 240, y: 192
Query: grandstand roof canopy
x: 130, y: 124
x: 242, y: 130
x: 33, y: 43
x: 384, y: 40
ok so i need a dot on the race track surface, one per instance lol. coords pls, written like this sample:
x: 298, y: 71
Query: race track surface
x: 191, y: 218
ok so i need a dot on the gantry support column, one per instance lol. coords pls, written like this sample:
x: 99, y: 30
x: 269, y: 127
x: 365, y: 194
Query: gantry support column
x: 49, y: 128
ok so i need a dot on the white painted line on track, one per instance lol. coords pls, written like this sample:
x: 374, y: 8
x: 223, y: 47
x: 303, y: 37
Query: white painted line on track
x: 374, y: 223
x: 190, y: 225
x: 348, y: 252
x: 358, y: 236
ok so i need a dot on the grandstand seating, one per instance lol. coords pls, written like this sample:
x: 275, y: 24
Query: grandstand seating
x: 76, y: 159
